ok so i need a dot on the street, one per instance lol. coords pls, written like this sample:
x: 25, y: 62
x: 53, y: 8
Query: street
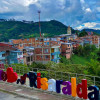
x: 7, y: 96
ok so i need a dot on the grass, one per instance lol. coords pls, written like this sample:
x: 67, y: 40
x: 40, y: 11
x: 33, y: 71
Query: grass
x: 78, y: 60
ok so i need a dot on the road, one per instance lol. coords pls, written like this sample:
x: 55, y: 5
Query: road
x: 7, y: 96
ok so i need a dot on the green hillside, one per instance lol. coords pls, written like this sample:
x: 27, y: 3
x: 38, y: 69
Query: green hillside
x: 18, y: 29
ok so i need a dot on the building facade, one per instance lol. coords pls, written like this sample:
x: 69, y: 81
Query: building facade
x: 15, y: 57
x: 66, y: 50
x: 46, y: 53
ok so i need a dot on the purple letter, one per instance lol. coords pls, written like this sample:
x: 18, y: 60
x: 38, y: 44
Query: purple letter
x: 67, y: 89
x: 0, y: 74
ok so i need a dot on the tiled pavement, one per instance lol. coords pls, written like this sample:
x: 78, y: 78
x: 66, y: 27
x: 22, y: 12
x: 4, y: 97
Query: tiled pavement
x: 32, y: 94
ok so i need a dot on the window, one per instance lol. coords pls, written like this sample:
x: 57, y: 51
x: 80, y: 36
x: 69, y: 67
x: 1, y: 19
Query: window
x: 41, y: 56
x: 44, y: 43
x: 19, y: 53
x: 3, y: 55
x: 47, y: 43
x: 46, y: 57
x: 13, y: 53
x: 21, y: 45
x: 46, y: 50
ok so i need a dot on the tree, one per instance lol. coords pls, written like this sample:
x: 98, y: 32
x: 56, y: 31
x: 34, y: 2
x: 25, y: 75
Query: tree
x: 83, y: 33
x: 98, y: 55
x: 93, y: 67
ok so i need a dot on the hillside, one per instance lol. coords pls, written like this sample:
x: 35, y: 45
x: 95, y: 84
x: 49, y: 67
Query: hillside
x: 19, y: 29
x: 93, y: 30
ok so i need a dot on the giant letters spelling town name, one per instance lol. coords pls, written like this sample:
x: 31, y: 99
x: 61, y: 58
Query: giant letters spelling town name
x: 66, y: 87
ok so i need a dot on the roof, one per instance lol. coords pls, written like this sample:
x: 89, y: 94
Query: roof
x: 16, y: 51
x: 67, y: 43
x: 5, y: 47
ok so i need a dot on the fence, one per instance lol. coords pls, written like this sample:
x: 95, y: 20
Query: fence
x: 65, y: 76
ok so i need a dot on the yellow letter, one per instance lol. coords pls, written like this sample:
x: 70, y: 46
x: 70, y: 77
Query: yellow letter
x: 44, y: 84
x: 73, y: 86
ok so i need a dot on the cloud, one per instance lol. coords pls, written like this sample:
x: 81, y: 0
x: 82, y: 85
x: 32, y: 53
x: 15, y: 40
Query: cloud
x: 88, y: 10
x: 70, y: 12
x: 82, y: 1
x: 92, y: 25
x: 98, y: 9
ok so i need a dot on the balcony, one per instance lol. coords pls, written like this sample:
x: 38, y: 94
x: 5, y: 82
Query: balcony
x: 55, y: 53
x: 55, y: 59
x: 2, y: 58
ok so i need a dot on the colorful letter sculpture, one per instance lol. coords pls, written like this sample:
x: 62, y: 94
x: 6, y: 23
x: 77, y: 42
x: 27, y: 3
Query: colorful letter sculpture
x: 82, y: 89
x: 67, y: 89
x: 22, y: 79
x: 44, y: 84
x: 94, y: 95
x: 52, y: 85
x: 32, y: 77
x: 73, y: 86
x: 4, y: 76
x: 38, y: 80
x: 58, y: 85
x: 11, y: 76
x: 1, y: 71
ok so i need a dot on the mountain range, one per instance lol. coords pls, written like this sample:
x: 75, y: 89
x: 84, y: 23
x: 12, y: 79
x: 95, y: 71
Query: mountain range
x: 93, y: 30
x: 11, y: 29
x: 25, y: 29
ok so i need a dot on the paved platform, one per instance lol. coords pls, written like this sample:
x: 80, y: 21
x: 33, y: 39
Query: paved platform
x: 31, y: 94
x: 7, y: 96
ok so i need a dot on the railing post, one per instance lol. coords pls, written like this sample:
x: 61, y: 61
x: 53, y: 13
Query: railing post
x: 76, y: 77
x: 94, y: 80
x: 19, y: 70
x: 49, y: 74
x: 15, y: 69
x: 55, y: 75
x: 61, y: 76
x: 69, y: 76
x: 23, y: 69
x: 37, y: 69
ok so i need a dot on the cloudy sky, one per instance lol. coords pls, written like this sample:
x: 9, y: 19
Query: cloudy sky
x: 76, y: 13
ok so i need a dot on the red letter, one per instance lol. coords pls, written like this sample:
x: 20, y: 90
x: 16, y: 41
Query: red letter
x: 38, y: 80
x: 82, y: 89
x: 4, y: 76
x: 11, y: 76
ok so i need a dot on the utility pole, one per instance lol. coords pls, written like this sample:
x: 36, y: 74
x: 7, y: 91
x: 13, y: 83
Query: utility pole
x: 39, y: 23
x: 41, y: 38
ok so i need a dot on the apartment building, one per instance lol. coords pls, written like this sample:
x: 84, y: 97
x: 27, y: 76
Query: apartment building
x: 15, y: 57
x: 66, y: 50
x: 46, y: 53
x: 10, y: 54
x: 28, y: 54
x: 5, y: 49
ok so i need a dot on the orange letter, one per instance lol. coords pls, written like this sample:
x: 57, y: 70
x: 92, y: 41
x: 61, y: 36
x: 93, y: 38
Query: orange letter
x: 44, y: 84
x: 73, y: 86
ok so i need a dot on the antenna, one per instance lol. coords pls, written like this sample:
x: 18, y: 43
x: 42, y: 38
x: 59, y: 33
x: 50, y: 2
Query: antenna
x: 39, y: 22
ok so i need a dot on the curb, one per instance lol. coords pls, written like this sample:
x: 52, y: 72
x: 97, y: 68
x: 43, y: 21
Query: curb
x: 20, y: 95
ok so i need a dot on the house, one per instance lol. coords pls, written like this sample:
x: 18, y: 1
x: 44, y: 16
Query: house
x: 28, y: 54
x: 1, y: 65
x: 3, y: 57
x: 21, y: 43
x: 92, y: 40
x: 66, y: 50
x: 96, y: 41
x: 15, y: 57
x: 46, y: 53
x: 5, y: 49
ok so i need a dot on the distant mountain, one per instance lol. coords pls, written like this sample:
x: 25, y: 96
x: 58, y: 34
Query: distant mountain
x: 93, y: 30
x: 11, y: 29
